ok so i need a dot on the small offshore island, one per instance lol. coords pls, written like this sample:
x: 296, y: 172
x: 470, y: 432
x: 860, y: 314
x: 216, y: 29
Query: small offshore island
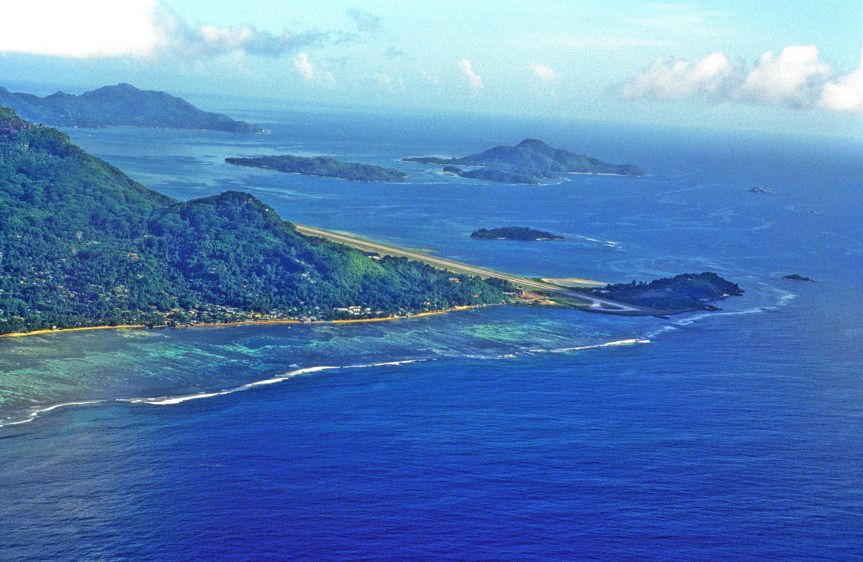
x: 520, y: 233
x: 122, y: 104
x: 688, y: 292
x: 321, y: 166
x: 528, y: 162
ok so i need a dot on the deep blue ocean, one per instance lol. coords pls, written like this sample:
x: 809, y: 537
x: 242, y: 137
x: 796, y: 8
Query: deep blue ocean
x: 502, y: 433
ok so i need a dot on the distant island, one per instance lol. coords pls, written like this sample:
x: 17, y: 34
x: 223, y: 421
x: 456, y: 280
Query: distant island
x: 682, y: 293
x: 520, y: 233
x: 321, y: 166
x: 82, y: 245
x: 122, y: 104
x: 760, y: 190
x: 529, y: 161
x: 489, y: 174
x: 796, y: 277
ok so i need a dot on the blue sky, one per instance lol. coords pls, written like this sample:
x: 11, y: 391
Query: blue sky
x: 766, y: 65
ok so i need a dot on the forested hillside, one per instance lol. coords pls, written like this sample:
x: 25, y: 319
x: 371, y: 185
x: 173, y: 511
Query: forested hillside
x: 83, y: 244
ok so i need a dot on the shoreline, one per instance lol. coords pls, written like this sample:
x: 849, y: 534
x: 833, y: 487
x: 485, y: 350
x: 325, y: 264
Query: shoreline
x: 49, y: 331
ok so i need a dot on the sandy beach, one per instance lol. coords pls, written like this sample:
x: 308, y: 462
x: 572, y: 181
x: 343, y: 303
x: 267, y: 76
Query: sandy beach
x: 244, y: 323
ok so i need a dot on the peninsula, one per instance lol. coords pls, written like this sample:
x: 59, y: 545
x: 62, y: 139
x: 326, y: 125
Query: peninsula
x: 321, y: 166
x: 122, y: 104
x: 520, y: 233
x: 529, y: 161
x: 84, y: 245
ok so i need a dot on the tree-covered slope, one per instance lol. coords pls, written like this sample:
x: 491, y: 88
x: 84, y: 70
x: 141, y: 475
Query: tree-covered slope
x: 122, y: 104
x: 321, y: 166
x: 83, y: 244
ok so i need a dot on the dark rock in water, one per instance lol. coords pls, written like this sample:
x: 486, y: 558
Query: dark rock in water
x: 454, y: 170
x: 760, y: 190
x: 796, y: 277
x: 682, y: 293
x: 520, y: 233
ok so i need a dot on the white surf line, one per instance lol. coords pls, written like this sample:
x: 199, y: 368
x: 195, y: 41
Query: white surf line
x: 36, y: 413
x: 614, y: 343
x: 174, y: 400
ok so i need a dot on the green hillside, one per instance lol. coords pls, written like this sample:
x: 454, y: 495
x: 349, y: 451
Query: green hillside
x: 83, y: 244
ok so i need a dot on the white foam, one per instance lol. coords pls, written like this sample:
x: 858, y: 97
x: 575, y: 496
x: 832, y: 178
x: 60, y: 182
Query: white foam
x: 170, y: 401
x: 382, y: 364
x: 613, y: 343
x: 35, y: 413
x: 174, y: 400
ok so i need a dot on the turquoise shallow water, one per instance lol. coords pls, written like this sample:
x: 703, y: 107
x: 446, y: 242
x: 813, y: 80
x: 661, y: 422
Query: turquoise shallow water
x: 505, y: 432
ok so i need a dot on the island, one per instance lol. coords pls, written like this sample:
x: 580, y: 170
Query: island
x: 796, y: 277
x: 84, y: 245
x: 118, y: 105
x: 688, y: 292
x: 321, y: 166
x: 760, y: 190
x: 489, y: 174
x: 520, y: 233
x: 529, y: 161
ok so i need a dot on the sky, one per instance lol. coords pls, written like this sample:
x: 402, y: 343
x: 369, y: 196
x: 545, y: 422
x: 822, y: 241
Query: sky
x: 770, y: 65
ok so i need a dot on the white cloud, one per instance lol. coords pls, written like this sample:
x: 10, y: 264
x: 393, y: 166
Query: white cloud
x: 142, y: 28
x: 845, y: 93
x: 365, y: 22
x: 304, y: 66
x: 78, y: 29
x: 473, y: 79
x: 428, y: 76
x: 679, y: 19
x: 796, y: 77
x: 671, y: 79
x: 543, y: 72
x: 389, y: 83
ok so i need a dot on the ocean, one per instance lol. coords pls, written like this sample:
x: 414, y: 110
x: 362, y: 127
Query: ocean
x: 506, y: 432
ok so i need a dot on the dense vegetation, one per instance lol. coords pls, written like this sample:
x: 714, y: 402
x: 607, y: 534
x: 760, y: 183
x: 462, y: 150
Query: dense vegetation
x: 489, y: 174
x: 690, y: 291
x: 321, y: 166
x: 83, y: 244
x: 527, y: 162
x: 521, y: 233
x: 122, y: 104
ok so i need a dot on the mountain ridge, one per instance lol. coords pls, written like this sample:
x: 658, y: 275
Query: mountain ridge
x: 117, y: 105
x: 532, y: 160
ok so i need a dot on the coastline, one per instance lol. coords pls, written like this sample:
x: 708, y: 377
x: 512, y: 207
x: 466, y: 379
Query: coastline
x: 49, y: 331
